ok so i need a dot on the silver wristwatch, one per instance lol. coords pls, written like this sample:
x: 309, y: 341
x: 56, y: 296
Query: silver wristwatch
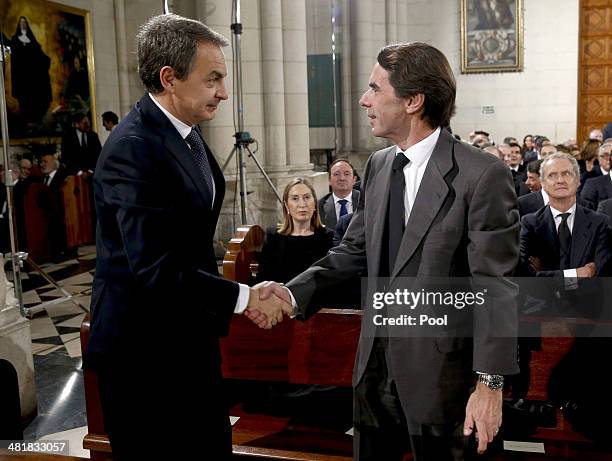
x: 493, y: 382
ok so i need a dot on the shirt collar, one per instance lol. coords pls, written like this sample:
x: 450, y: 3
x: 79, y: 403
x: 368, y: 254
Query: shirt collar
x: 348, y: 197
x: 51, y: 175
x: 544, y: 196
x: 181, y: 127
x: 556, y: 213
x: 422, y: 150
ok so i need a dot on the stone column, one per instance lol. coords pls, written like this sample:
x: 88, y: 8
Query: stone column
x: 125, y: 103
x: 296, y: 83
x: 273, y: 78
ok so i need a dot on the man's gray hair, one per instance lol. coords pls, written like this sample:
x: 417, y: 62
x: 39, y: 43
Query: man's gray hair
x: 557, y: 156
x: 605, y: 145
x: 170, y: 40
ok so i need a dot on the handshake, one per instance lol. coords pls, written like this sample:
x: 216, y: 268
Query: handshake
x: 268, y: 303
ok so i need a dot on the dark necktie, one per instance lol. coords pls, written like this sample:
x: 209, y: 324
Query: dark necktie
x: 397, y: 210
x: 83, y: 140
x: 565, y: 242
x: 343, y: 209
x: 47, y: 180
x: 199, y: 154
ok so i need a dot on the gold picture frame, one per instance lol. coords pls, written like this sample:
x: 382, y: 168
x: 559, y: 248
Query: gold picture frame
x: 491, y: 36
x: 49, y: 70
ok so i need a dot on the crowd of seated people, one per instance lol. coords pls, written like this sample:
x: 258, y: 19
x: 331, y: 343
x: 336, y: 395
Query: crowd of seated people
x: 564, y: 240
x: 78, y: 153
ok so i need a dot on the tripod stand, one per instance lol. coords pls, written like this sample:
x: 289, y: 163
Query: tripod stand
x: 243, y: 138
x: 18, y: 257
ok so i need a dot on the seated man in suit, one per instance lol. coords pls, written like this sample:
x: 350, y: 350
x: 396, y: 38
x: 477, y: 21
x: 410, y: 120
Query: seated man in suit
x: 599, y: 188
x: 343, y: 198
x: 537, y: 197
x: 564, y: 239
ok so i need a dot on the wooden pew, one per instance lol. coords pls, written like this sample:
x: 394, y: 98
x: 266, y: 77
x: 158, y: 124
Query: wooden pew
x: 36, y: 224
x: 76, y: 195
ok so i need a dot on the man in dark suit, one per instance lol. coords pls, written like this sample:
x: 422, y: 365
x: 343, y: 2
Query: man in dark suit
x: 158, y: 302
x: 603, y: 168
x: 343, y: 199
x: 80, y: 147
x: 605, y: 207
x: 50, y: 200
x: 569, y: 244
x: 599, y: 187
x: 430, y: 206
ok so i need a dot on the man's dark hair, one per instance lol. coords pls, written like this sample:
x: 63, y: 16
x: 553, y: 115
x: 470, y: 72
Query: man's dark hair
x: 510, y: 140
x: 109, y: 116
x: 513, y: 144
x: 170, y: 40
x: 420, y: 68
x: 338, y: 160
x: 534, y: 167
x: 78, y: 116
x: 484, y: 133
x: 538, y: 140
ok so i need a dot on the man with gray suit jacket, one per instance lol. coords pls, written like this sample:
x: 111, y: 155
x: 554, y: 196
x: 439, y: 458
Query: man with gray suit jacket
x: 343, y: 199
x: 430, y: 206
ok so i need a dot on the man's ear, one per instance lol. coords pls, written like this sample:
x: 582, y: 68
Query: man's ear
x: 415, y: 103
x: 167, y: 78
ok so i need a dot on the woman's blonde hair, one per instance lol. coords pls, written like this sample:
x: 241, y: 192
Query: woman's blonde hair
x: 286, y: 228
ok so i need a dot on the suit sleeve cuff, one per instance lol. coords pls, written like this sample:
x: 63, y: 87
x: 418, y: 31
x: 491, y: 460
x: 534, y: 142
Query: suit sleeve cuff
x: 570, y: 277
x: 243, y: 298
x: 295, y: 306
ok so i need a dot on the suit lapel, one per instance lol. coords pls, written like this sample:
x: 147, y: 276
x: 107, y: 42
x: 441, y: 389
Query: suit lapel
x: 177, y: 146
x: 581, y: 236
x: 330, y: 210
x: 430, y: 197
x: 377, y: 202
x: 546, y: 228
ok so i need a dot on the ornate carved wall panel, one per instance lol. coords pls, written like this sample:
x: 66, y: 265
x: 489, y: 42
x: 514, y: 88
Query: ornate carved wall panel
x: 595, y: 66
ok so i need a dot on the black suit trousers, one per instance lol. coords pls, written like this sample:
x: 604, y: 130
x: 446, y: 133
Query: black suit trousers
x: 145, y: 424
x: 381, y: 430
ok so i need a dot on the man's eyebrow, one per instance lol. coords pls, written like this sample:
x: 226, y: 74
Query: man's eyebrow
x: 216, y: 74
x: 373, y: 85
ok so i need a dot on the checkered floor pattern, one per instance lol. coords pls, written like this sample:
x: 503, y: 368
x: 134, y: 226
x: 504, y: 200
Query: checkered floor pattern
x: 55, y: 327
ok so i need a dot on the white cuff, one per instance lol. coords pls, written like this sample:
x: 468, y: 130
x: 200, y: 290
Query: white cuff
x: 571, y: 279
x: 243, y: 298
x: 295, y: 306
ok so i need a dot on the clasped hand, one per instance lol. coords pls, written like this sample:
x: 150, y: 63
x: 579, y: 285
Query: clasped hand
x: 268, y: 302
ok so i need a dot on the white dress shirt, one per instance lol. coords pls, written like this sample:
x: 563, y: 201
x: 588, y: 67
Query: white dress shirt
x: 184, y: 130
x: 349, y: 203
x: 567, y: 273
x: 419, y: 155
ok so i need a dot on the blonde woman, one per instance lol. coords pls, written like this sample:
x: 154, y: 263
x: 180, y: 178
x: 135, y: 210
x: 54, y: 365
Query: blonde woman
x: 300, y: 240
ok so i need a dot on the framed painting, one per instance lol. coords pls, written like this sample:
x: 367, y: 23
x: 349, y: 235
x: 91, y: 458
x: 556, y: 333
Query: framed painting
x: 49, y: 72
x: 491, y: 36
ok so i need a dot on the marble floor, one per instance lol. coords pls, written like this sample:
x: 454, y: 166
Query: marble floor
x: 56, y: 348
